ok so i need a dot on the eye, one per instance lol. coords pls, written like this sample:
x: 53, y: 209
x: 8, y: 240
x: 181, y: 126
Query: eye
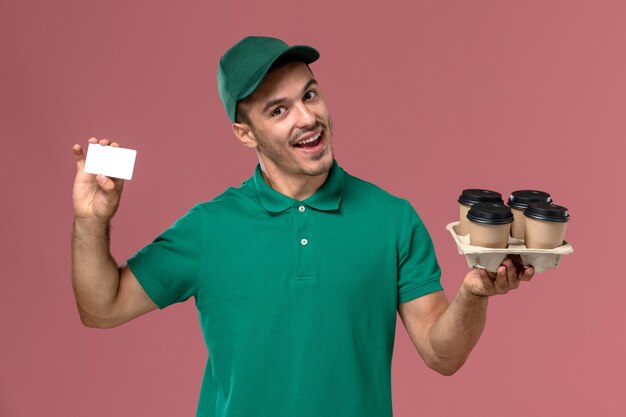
x: 278, y: 111
x: 309, y: 95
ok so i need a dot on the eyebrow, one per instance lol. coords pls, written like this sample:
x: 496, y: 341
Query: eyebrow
x: 279, y: 100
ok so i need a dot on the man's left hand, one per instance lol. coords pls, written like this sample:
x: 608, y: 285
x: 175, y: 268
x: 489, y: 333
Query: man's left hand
x: 484, y: 283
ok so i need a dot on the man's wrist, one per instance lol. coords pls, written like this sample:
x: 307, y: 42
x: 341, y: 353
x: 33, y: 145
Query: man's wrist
x: 91, y: 225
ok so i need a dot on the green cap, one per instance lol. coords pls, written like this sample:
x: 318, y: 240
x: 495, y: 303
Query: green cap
x: 243, y: 67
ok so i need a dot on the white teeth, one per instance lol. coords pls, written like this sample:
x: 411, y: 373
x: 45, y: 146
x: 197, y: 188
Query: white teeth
x: 311, y: 139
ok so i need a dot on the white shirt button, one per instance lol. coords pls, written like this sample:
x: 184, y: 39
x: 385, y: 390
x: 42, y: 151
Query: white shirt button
x: 304, y: 242
x: 301, y: 208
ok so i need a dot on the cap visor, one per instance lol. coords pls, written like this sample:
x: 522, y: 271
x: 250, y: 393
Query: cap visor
x: 304, y: 53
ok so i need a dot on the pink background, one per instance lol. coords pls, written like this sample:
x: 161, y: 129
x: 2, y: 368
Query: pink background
x: 428, y: 98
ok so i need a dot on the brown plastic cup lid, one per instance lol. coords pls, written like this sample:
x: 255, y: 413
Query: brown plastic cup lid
x: 475, y: 195
x: 547, y: 212
x: 521, y: 198
x: 490, y: 213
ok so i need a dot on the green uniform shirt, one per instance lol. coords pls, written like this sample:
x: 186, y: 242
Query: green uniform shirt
x: 297, y: 299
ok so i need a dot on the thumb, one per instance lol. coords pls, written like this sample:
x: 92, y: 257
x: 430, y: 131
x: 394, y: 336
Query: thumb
x: 108, y: 184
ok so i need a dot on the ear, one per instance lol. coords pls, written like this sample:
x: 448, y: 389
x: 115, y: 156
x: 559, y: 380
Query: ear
x: 245, y: 135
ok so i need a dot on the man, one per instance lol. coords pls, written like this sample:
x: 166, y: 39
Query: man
x: 298, y: 273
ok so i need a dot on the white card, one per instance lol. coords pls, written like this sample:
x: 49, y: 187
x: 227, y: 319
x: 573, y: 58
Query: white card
x: 110, y: 161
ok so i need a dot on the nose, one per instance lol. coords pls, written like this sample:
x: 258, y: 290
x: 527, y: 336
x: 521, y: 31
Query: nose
x: 304, y: 115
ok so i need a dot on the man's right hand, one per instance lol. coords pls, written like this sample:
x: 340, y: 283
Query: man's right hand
x: 95, y: 197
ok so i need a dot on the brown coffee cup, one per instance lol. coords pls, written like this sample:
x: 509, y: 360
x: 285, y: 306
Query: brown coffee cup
x: 518, y: 201
x: 545, y: 225
x: 490, y: 225
x: 470, y: 197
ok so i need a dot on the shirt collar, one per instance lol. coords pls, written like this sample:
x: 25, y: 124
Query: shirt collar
x: 326, y: 198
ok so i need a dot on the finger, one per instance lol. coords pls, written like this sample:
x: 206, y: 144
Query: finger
x: 487, y: 281
x: 109, y: 184
x: 511, y: 273
x: 79, y: 157
x: 490, y: 275
x: 115, y: 144
x: 77, y: 150
x: 104, y: 142
x: 501, y: 282
x: 528, y: 273
x: 517, y: 262
x: 524, y: 272
x: 92, y: 140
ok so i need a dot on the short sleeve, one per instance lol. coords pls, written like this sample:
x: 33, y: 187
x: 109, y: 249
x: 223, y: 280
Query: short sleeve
x: 167, y: 268
x: 418, y: 270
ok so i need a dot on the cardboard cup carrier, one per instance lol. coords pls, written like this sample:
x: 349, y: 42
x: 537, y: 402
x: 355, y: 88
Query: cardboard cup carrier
x: 542, y: 247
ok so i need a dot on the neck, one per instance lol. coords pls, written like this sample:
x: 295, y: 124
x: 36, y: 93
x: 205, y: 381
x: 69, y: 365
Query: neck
x: 298, y: 187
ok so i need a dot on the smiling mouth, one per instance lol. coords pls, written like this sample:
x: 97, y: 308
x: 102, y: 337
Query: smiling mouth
x: 311, y: 142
